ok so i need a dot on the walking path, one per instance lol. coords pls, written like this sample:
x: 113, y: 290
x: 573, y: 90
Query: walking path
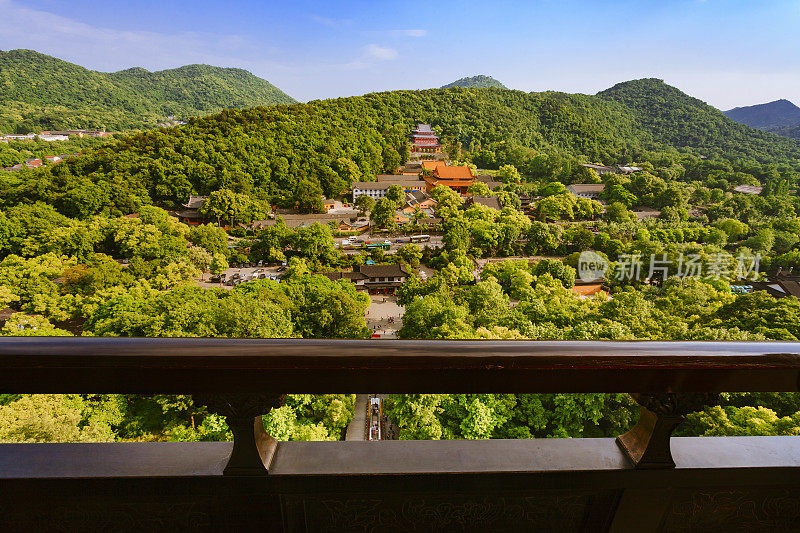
x: 357, y: 428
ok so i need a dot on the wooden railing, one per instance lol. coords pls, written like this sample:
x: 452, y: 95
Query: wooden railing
x: 243, y: 379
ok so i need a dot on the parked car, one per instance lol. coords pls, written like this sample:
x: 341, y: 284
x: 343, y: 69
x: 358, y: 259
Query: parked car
x: 281, y: 268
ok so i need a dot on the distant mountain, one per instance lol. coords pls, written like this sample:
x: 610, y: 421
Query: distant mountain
x: 670, y: 117
x: 781, y: 117
x: 43, y: 92
x: 476, y: 82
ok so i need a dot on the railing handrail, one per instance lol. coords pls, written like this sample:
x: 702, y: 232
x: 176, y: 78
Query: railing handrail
x: 193, y: 365
x: 244, y: 378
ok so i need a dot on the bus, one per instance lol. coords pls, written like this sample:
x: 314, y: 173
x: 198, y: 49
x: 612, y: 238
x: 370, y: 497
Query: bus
x: 420, y: 238
x: 381, y: 245
x: 375, y: 415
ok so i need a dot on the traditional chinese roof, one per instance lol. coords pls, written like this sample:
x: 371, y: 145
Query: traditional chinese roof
x: 381, y: 178
x: 433, y: 165
x: 189, y: 213
x: 416, y: 197
x: 587, y: 289
x: 454, y: 173
x: 382, y: 271
x: 586, y: 188
x: 488, y: 201
x: 598, y: 167
x: 489, y: 181
x: 352, y: 276
x: 195, y: 202
x: 433, y: 182
x: 644, y: 213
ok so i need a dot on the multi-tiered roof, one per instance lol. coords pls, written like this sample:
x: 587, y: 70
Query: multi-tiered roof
x: 424, y: 139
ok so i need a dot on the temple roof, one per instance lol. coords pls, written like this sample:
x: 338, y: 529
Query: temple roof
x: 433, y: 165
x: 453, y: 173
x: 195, y: 202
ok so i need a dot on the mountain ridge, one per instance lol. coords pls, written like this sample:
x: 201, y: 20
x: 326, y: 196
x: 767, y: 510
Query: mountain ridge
x: 481, y: 81
x: 45, y: 92
x: 781, y: 117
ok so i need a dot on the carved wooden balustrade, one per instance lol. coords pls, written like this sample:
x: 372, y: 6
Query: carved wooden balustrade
x: 242, y: 379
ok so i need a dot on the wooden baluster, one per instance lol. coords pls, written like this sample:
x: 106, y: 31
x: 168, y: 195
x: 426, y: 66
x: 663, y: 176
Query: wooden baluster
x: 253, y: 448
x: 647, y: 443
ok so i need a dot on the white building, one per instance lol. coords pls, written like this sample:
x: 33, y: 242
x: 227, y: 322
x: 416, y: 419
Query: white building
x: 376, y: 190
x: 51, y: 138
x: 586, y: 190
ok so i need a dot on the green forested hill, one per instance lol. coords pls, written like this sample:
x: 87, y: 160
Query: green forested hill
x: 296, y: 153
x: 476, y: 82
x: 667, y: 116
x: 793, y: 132
x: 41, y: 92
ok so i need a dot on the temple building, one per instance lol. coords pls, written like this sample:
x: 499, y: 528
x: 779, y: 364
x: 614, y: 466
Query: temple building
x: 378, y: 189
x: 191, y: 215
x: 424, y: 140
x: 457, y: 178
x: 376, y: 279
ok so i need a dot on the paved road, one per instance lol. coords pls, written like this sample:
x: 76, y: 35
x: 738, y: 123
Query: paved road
x: 435, y: 242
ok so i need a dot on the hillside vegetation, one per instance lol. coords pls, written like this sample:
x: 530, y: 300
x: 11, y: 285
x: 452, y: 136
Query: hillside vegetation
x: 42, y: 92
x: 297, y: 153
x: 667, y: 116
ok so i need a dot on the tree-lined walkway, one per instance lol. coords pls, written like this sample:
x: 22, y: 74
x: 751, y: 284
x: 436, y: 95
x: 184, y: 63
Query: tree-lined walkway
x: 357, y: 428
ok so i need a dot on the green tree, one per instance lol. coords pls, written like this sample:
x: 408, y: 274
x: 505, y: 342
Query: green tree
x: 509, y: 174
x: 365, y: 204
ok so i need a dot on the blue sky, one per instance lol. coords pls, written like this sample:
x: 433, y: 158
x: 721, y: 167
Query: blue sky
x: 726, y: 52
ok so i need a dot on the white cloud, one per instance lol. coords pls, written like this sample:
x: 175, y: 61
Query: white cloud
x: 409, y: 33
x: 380, y: 53
x: 331, y: 22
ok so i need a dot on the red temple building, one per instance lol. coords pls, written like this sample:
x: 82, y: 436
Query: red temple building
x: 424, y: 140
x: 457, y: 178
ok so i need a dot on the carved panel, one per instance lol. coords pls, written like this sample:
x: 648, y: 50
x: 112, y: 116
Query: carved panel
x: 756, y: 509
x: 544, y: 511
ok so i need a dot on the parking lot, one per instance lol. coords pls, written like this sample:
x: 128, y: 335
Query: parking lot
x: 242, y: 273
